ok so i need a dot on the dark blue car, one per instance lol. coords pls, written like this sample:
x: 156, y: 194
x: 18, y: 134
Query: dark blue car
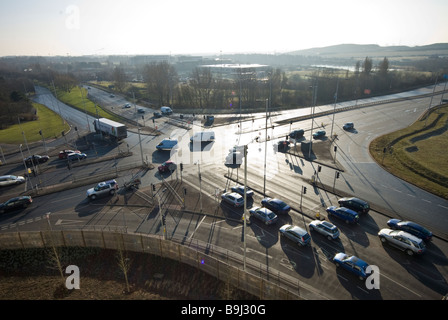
x: 276, y: 205
x: 352, y: 264
x: 349, y: 216
x: 410, y: 227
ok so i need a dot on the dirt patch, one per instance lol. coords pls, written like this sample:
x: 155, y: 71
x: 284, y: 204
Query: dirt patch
x: 150, y: 278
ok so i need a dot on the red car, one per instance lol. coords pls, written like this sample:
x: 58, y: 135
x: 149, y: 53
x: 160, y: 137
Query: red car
x: 167, y: 166
x: 64, y: 153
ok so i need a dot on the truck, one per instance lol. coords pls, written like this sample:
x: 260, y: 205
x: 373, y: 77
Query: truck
x: 166, y: 110
x: 115, y: 130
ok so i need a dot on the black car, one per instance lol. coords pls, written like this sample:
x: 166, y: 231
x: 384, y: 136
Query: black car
x: 355, y: 204
x: 276, y: 205
x: 297, y: 134
x: 15, y: 203
x: 36, y: 159
x: 410, y: 227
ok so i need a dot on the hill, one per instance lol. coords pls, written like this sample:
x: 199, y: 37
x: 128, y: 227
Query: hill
x: 374, y: 50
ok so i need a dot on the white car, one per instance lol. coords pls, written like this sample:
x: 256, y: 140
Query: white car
x: 9, y: 180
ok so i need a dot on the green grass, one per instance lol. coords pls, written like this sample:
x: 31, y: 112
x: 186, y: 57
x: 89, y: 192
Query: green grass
x: 417, y: 153
x: 77, y: 98
x: 48, y: 121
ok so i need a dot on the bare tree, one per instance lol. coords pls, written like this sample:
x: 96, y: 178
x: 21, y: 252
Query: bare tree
x: 119, y: 77
x: 124, y: 263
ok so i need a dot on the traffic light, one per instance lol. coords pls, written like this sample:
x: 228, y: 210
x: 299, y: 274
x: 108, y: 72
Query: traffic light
x: 40, y: 132
x: 304, y: 190
x: 163, y: 220
x: 153, y: 187
x: 337, y: 174
x: 319, y: 168
x: 181, y: 166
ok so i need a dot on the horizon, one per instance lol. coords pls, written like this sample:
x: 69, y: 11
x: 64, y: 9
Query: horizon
x: 139, y: 27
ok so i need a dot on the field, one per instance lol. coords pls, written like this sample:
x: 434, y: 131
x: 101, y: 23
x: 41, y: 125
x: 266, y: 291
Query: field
x: 417, y: 154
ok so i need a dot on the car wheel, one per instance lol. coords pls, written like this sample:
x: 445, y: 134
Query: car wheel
x: 112, y: 192
x: 383, y: 240
x: 311, y: 228
x: 329, y: 237
x: 337, y: 264
x: 361, y: 278
x: 347, y: 221
x: 92, y: 197
x: 409, y: 252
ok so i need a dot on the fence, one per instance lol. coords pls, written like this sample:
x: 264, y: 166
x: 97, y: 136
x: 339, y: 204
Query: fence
x: 223, y: 264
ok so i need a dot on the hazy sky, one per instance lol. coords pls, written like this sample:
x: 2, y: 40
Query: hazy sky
x: 81, y: 27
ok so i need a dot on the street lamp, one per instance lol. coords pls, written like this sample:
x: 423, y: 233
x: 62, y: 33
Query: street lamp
x: 312, y: 117
x: 334, y: 108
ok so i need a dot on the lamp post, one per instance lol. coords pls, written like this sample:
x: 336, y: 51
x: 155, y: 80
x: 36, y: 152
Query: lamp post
x: 265, y: 147
x: 312, y: 117
x: 334, y: 108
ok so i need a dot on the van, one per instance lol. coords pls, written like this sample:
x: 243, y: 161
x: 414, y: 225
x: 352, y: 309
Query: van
x: 203, y: 136
x: 166, y: 110
x: 297, y: 134
x: 167, y: 144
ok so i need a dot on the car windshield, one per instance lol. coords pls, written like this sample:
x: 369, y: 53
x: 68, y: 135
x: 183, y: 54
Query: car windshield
x: 271, y: 215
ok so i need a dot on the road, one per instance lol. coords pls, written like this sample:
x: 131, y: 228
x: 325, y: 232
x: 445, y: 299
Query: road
x: 402, y: 277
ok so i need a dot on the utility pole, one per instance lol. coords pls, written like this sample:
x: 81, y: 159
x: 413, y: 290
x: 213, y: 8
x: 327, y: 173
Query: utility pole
x: 245, y: 205
x: 265, y: 147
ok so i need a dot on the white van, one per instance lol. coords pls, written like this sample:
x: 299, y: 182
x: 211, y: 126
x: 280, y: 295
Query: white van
x: 166, y: 110
x: 203, y: 136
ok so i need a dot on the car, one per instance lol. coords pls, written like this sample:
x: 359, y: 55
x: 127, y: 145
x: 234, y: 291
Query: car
x: 276, y: 205
x: 127, y: 106
x: 103, y: 188
x: 167, y: 166
x: 348, y: 126
x: 112, y: 96
x: 141, y: 110
x: 10, y: 179
x: 234, y: 158
x: 36, y: 159
x: 283, y: 145
x: 296, y: 234
x: 348, y: 215
x: 351, y: 263
x: 402, y: 240
x: 410, y: 227
x: 319, y: 134
x: 64, y: 153
x: 326, y: 228
x: 297, y: 134
x: 76, y: 156
x: 355, y: 204
x: 263, y: 214
x: 233, y: 198
x: 240, y: 190
x: 15, y: 203
x: 157, y: 115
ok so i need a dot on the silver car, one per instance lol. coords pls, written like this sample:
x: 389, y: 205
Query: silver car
x: 264, y: 214
x: 233, y: 198
x: 102, y: 188
x: 326, y: 228
x: 403, y: 241
x: 9, y: 180
x: 296, y: 234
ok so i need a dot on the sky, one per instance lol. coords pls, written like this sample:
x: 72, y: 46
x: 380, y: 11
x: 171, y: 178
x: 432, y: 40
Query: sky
x: 104, y: 27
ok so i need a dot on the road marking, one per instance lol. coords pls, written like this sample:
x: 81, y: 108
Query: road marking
x: 199, y: 224
x: 67, y: 222
x: 383, y: 275
x: 426, y: 200
x: 442, y: 206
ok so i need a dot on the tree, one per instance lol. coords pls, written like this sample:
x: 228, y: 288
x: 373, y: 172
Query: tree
x: 161, y: 79
x: 367, y: 66
x: 383, y: 67
x: 119, y: 77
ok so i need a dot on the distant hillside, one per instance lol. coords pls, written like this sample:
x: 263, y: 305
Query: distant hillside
x: 373, y: 50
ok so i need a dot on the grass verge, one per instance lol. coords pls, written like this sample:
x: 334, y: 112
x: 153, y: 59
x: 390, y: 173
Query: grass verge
x: 417, y: 154
x: 48, y: 121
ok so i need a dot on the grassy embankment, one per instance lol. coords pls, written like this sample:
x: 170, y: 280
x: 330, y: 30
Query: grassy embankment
x: 418, y: 154
x: 49, y: 121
